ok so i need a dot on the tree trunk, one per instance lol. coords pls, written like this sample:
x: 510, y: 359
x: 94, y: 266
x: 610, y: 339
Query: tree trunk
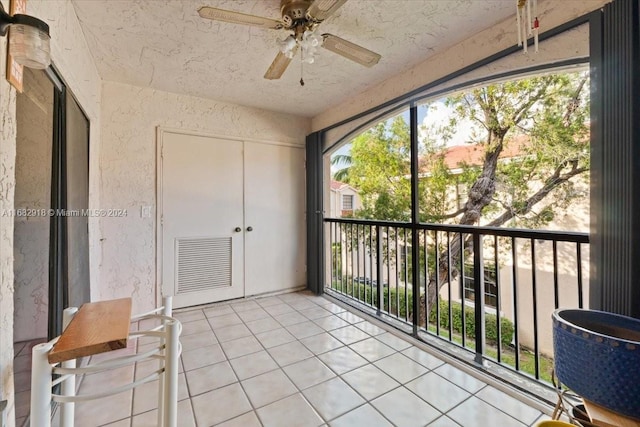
x: 480, y: 195
x: 483, y: 191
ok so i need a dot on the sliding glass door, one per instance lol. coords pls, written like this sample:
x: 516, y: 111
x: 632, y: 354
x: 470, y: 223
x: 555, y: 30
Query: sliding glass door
x: 52, y: 189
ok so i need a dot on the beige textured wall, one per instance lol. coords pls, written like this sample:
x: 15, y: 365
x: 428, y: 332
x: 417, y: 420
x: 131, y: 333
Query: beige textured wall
x: 335, y: 201
x: 482, y: 45
x: 130, y: 117
x: 7, y: 184
x: 574, y: 219
x: 74, y: 62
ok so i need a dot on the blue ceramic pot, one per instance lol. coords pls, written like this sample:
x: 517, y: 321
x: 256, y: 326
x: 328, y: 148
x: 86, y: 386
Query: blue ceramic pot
x: 597, y: 355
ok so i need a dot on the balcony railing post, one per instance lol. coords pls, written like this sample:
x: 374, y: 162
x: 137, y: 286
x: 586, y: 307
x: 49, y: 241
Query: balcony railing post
x: 68, y: 387
x: 463, y: 295
x: 403, y: 269
x: 379, y: 271
x: 478, y: 290
x: 415, y: 282
x: 41, y: 383
x: 415, y: 217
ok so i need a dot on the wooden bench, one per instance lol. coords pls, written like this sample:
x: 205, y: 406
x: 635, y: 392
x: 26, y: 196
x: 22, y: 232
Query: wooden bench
x: 97, y: 327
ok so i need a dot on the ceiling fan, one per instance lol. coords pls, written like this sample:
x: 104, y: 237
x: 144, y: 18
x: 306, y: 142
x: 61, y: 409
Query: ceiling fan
x: 302, y: 18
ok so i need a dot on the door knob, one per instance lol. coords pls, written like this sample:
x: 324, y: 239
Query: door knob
x: 249, y: 228
x: 237, y: 229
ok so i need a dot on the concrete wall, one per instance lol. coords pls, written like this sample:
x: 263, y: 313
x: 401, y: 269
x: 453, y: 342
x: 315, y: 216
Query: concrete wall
x: 574, y: 219
x: 131, y: 116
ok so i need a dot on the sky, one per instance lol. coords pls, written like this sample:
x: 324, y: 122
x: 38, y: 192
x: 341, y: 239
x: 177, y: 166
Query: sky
x: 437, y: 115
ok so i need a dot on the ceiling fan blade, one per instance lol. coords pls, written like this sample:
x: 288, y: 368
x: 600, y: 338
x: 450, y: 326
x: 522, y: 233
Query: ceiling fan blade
x: 350, y: 50
x: 278, y: 66
x: 322, y: 9
x: 238, y: 18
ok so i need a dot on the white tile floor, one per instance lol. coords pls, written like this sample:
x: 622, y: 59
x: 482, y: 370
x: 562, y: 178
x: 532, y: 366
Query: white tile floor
x: 301, y: 360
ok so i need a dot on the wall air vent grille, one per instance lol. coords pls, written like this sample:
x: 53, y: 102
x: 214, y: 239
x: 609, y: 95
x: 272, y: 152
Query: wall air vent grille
x: 203, y: 264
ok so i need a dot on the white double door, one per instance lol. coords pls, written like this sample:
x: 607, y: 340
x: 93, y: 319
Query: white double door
x: 232, y: 218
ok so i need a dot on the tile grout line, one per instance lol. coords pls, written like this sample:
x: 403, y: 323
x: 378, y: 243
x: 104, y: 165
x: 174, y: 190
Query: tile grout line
x: 446, y: 358
x: 396, y: 351
x: 336, y: 375
x: 253, y: 408
x: 281, y: 368
x: 316, y: 356
x: 186, y: 379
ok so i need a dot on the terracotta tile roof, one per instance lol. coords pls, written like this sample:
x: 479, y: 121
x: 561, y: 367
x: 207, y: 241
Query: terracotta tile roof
x: 336, y: 185
x: 473, y: 154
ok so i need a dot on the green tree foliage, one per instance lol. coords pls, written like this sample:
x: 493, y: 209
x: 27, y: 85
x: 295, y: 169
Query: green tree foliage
x: 542, y: 120
x: 380, y: 171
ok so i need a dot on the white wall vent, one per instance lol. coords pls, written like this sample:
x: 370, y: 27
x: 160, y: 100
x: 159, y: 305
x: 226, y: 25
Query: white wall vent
x: 202, y: 264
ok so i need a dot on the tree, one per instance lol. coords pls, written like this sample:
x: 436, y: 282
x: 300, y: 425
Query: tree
x: 545, y: 117
x: 379, y: 168
x: 344, y: 160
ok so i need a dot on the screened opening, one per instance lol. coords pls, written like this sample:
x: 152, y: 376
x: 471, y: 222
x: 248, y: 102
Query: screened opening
x: 506, y: 155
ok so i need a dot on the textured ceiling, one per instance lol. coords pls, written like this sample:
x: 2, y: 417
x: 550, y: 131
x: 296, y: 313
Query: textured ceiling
x: 165, y: 45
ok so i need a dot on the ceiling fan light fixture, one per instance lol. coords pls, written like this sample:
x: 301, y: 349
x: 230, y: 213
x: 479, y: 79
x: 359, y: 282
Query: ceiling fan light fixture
x: 301, y: 18
x: 309, y: 44
x: 287, y: 46
x: 310, y: 39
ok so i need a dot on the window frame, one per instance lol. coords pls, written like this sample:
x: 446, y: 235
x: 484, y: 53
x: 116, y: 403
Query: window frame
x: 490, y: 271
x: 351, y: 202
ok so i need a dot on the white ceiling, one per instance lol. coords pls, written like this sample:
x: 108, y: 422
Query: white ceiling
x: 165, y: 45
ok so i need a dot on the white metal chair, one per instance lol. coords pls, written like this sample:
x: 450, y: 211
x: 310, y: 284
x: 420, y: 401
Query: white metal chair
x: 167, y: 352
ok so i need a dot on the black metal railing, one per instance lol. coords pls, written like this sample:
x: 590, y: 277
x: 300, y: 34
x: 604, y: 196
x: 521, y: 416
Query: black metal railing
x: 505, y: 317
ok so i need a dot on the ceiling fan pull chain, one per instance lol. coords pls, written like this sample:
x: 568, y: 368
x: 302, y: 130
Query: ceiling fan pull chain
x: 301, y: 68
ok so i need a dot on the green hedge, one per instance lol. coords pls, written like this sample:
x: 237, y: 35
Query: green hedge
x: 491, y: 332
x: 367, y: 293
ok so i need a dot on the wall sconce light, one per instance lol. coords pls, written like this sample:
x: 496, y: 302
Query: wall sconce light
x: 29, y: 44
